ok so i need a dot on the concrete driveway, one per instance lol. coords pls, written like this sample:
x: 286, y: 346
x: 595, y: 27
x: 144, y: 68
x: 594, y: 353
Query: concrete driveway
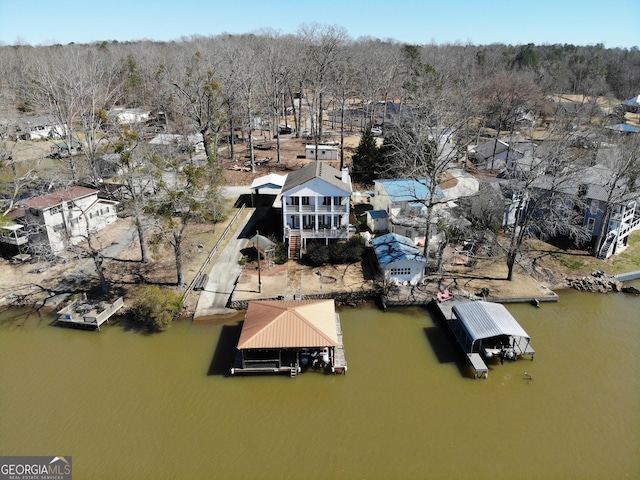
x: 223, y: 275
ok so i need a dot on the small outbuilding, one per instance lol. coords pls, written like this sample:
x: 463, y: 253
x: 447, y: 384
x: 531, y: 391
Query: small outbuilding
x: 289, y: 336
x: 400, y: 259
x: 377, y: 220
x: 325, y: 152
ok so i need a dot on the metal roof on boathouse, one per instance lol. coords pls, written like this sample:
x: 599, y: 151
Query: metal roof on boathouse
x: 487, y: 319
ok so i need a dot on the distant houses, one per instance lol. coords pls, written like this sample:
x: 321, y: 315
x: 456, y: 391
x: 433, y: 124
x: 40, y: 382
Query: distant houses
x: 632, y: 104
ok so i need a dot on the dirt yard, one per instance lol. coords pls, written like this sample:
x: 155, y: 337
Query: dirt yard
x: 35, y: 282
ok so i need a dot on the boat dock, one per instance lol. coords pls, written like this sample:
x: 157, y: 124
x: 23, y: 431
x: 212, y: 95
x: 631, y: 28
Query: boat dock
x: 484, y: 329
x: 445, y: 309
x: 339, y: 362
x: 82, y: 313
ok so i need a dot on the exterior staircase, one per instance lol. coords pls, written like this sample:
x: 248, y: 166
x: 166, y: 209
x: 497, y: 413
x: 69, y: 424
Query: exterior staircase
x: 295, y: 245
x: 604, y: 249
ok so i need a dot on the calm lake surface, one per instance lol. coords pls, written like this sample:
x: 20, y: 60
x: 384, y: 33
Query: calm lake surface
x: 129, y: 406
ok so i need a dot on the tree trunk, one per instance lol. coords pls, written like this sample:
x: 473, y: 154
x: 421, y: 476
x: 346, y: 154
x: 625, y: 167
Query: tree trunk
x: 177, y: 250
x: 97, y: 260
x: 511, y: 262
x: 143, y: 246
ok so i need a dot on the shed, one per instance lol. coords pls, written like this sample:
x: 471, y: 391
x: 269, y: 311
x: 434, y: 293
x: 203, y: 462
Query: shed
x: 325, y: 152
x: 401, y: 260
x: 489, y: 329
x: 623, y: 128
x: 289, y: 335
x: 377, y: 220
x: 263, y: 245
x: 268, y: 184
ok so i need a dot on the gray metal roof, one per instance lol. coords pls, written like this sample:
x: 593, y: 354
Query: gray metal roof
x: 316, y: 169
x: 487, y: 319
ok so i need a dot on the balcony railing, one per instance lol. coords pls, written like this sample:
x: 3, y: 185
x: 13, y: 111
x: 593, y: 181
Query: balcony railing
x: 317, y: 233
x: 315, y: 208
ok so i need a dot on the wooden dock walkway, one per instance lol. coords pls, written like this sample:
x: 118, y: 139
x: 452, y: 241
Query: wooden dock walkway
x: 339, y: 360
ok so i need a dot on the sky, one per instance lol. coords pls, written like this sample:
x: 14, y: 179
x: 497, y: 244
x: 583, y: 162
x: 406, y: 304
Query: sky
x: 418, y: 22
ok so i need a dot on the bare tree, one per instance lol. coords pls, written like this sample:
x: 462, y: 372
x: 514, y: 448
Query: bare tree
x: 323, y: 46
x: 201, y: 100
x: 545, y: 200
x: 422, y: 146
x: 185, y: 196
x: 137, y: 174
x: 76, y: 86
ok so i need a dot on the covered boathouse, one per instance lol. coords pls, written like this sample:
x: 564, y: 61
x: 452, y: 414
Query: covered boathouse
x: 487, y: 329
x: 289, y: 336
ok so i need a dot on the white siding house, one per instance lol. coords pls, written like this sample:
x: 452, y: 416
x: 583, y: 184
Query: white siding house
x: 64, y: 217
x: 41, y: 127
x: 315, y: 204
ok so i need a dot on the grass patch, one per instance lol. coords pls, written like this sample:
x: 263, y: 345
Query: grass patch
x: 629, y: 260
x: 571, y: 262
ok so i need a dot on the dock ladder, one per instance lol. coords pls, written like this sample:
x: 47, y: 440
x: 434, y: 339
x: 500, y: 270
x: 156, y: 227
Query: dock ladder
x: 293, y: 371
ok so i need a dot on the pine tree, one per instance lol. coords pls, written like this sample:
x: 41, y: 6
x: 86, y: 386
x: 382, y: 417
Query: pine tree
x: 366, y: 159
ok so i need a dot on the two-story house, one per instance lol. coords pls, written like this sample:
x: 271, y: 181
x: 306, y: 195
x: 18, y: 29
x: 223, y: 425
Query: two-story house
x: 315, y: 205
x: 612, y: 210
x: 609, y: 212
x: 52, y: 222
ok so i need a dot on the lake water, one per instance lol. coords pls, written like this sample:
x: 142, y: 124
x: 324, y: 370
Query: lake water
x: 125, y: 405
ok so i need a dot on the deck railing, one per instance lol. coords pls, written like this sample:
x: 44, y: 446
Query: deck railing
x: 314, y: 208
x: 317, y: 233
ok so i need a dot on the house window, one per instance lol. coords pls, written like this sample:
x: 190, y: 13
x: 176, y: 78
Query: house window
x: 593, y: 207
x: 336, y: 222
x: 305, y: 201
x: 337, y: 200
x: 400, y: 271
x: 590, y: 224
x: 294, y: 201
x: 326, y: 201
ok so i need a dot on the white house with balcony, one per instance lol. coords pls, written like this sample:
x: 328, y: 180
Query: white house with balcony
x: 315, y: 205
x: 50, y: 223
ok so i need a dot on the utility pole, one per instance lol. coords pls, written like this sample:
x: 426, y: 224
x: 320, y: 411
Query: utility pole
x: 259, y: 272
